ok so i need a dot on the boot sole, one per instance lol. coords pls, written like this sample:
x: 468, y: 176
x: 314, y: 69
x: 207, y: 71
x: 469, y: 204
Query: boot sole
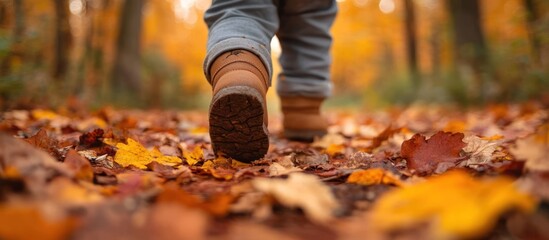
x: 237, y: 129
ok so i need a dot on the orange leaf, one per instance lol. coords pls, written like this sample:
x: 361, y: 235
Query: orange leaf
x: 374, y: 176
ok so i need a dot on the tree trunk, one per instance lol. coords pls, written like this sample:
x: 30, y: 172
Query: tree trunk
x: 18, y: 29
x: 411, y: 40
x: 469, y: 43
x: 531, y: 20
x: 126, y: 72
x: 63, y: 39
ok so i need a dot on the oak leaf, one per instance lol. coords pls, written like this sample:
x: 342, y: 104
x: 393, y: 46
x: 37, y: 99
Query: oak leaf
x: 480, y: 150
x: 455, y: 204
x: 424, y: 156
x: 133, y: 153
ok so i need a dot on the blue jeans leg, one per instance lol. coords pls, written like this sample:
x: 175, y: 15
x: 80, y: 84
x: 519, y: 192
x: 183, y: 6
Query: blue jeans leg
x: 305, y: 39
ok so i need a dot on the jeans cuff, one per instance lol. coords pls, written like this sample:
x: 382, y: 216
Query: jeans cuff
x: 230, y: 44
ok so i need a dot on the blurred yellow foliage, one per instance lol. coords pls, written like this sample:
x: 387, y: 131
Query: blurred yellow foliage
x: 455, y: 204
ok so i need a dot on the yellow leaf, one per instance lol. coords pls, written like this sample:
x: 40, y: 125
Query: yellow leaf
x: 334, y: 149
x: 207, y: 165
x: 492, y: 138
x: 135, y: 154
x: 40, y: 114
x: 195, y: 156
x: 199, y: 130
x: 238, y: 164
x: 373, y: 176
x: 457, y: 205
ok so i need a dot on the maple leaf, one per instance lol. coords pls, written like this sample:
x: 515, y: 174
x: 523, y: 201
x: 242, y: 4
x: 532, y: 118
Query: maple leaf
x: 195, y: 156
x: 133, y: 153
x: 462, y: 206
x: 374, y: 176
x: 424, y: 156
x: 301, y: 190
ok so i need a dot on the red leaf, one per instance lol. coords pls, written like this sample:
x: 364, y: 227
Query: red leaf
x: 425, y: 155
x: 92, y: 138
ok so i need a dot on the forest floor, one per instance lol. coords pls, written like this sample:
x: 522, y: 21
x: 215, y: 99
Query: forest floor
x: 422, y: 172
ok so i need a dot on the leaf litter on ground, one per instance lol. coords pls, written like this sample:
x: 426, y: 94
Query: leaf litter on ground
x: 89, y: 168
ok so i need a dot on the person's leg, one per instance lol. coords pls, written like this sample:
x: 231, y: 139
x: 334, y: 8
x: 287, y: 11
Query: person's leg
x: 238, y: 66
x: 304, y: 83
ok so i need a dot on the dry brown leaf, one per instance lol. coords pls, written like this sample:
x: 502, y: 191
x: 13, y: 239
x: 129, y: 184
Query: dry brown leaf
x: 301, y: 190
x: 479, y: 150
x: 424, y: 156
x: 79, y: 165
x: 534, y: 150
x: 283, y: 167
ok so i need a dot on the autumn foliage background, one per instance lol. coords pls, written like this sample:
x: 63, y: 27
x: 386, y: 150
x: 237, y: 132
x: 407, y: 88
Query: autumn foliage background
x: 51, y: 51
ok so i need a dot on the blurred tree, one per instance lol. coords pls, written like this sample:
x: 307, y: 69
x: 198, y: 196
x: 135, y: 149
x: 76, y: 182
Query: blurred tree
x: 126, y: 72
x: 469, y: 43
x: 411, y: 40
x: 15, y: 52
x: 532, y: 17
x: 63, y: 39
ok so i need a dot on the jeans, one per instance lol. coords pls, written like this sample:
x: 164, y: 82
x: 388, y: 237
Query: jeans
x: 302, y: 27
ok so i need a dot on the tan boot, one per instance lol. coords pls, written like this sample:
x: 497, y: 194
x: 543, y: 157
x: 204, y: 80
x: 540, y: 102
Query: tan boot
x: 238, y: 112
x: 302, y: 118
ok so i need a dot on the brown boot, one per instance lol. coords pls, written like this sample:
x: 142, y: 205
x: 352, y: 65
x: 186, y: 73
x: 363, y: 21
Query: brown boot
x: 238, y: 112
x: 302, y: 118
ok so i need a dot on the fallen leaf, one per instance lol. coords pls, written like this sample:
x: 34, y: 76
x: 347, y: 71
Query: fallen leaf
x: 534, y: 150
x: 133, y: 153
x: 92, y: 138
x: 424, y: 155
x: 195, y: 156
x: 283, y: 167
x: 301, y: 190
x: 79, y: 165
x: 217, y: 205
x: 20, y: 159
x: 29, y: 222
x: 69, y: 193
x: 175, y: 221
x: 374, y: 176
x: 455, y: 204
x: 479, y: 150
x: 168, y: 172
x: 45, y: 142
x: 327, y: 140
x: 40, y: 114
